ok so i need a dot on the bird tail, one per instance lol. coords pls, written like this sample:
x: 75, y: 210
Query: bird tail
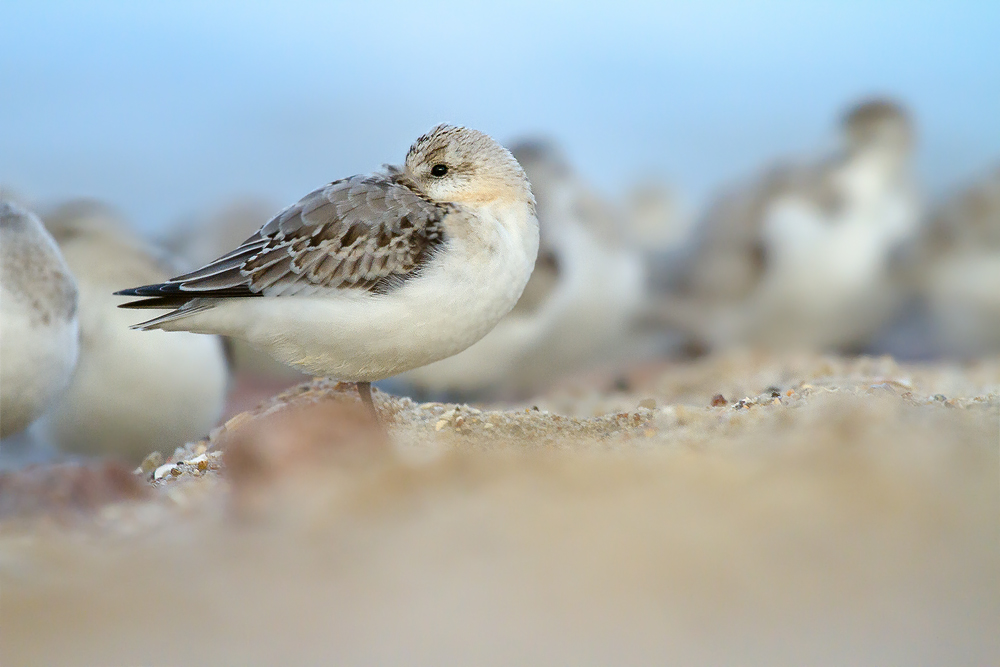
x: 183, y: 312
x: 184, y: 303
x: 155, y: 296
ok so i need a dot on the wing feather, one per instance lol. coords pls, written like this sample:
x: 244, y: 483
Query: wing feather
x: 364, y: 232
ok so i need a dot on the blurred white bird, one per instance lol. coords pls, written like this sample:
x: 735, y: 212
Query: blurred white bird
x: 578, y: 308
x: 960, y: 270
x: 801, y: 257
x: 38, y: 319
x: 132, y: 392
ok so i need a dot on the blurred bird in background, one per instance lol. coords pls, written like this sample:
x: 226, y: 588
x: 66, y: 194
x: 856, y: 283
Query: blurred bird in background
x: 655, y: 219
x: 38, y: 319
x: 958, y: 271
x: 132, y: 393
x: 801, y: 256
x: 579, y: 308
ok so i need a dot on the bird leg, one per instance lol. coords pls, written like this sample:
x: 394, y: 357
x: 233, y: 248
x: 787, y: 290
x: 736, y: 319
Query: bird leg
x: 365, y: 392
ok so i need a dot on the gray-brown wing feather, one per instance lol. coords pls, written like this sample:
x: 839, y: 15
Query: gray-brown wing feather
x: 363, y: 232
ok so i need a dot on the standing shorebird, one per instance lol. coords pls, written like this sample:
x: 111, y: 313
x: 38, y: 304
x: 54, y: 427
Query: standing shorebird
x: 377, y: 274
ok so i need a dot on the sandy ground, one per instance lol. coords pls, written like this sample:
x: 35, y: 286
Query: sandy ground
x: 823, y: 511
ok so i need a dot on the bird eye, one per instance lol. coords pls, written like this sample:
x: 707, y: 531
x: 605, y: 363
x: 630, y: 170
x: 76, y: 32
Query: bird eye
x: 439, y: 170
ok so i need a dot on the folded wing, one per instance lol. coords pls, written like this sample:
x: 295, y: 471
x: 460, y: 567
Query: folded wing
x: 365, y: 232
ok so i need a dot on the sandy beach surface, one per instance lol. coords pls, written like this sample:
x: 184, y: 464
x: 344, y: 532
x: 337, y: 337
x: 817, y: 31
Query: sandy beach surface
x: 738, y: 509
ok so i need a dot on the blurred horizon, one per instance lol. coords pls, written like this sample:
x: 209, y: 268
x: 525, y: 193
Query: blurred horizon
x: 168, y: 111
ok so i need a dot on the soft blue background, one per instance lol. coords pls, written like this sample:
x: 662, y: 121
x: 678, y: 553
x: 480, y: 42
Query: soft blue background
x: 167, y: 108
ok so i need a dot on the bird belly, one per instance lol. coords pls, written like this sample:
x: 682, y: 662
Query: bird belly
x: 358, y: 336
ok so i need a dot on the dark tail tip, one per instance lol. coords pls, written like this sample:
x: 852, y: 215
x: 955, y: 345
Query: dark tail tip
x: 156, y: 296
x: 149, y: 290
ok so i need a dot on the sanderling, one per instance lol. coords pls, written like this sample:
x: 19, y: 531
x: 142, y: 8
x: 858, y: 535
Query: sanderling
x: 377, y: 274
x: 958, y: 270
x: 802, y: 257
x: 132, y: 393
x: 578, y: 307
x: 38, y: 319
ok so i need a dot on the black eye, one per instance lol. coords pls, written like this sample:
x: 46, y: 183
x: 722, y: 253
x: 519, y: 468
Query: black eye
x: 439, y: 170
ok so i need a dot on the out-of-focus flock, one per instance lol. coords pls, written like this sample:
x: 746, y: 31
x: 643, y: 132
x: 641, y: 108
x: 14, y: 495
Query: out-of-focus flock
x: 844, y: 254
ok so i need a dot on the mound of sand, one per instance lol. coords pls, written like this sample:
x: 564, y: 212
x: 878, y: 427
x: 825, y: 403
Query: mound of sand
x: 822, y: 511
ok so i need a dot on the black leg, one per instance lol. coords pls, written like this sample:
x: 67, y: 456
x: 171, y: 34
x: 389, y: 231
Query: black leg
x: 365, y: 392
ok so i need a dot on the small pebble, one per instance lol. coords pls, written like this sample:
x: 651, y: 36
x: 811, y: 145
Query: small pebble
x: 163, y: 470
x: 235, y: 421
x: 683, y: 414
x: 718, y: 401
x: 151, y: 462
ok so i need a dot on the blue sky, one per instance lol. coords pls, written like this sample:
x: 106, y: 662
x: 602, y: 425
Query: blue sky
x: 168, y: 108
